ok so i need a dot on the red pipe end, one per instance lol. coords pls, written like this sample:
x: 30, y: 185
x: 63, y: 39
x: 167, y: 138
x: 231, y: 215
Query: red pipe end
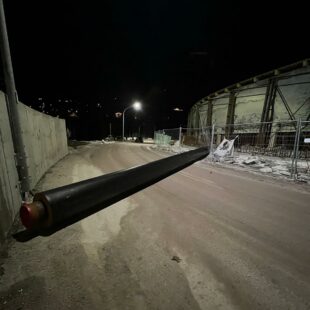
x: 26, y: 215
x: 31, y: 214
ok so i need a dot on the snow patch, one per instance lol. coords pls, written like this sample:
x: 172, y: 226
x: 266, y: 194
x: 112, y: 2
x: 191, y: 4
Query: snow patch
x: 265, y: 170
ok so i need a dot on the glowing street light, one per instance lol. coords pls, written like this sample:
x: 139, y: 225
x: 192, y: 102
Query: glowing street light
x: 137, y: 106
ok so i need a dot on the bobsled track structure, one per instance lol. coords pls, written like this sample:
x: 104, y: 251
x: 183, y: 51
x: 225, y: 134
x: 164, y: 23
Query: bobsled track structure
x: 270, y: 113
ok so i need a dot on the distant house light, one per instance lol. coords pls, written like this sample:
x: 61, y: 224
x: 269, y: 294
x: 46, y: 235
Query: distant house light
x: 73, y: 115
x: 178, y: 109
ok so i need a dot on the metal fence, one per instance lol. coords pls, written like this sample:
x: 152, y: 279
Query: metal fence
x: 286, y: 140
x: 193, y: 137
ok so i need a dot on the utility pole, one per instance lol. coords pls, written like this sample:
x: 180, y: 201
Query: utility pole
x: 123, y: 131
x: 12, y: 106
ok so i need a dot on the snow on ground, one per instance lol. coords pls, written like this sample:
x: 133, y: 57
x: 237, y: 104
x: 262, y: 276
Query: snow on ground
x: 176, y: 148
x: 274, y: 166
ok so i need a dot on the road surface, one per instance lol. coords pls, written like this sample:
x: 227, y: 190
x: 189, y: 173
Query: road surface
x: 204, y: 238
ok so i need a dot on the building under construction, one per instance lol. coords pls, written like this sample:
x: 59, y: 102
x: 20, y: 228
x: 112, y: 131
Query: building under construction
x: 265, y: 112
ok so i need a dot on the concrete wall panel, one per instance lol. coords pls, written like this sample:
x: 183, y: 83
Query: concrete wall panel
x: 220, y: 106
x: 46, y: 143
x: 9, y: 186
x: 249, y: 106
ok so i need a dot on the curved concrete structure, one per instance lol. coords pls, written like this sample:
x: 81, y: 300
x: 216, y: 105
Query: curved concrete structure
x: 279, y: 95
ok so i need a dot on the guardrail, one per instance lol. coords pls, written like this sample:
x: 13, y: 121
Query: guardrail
x: 58, y: 208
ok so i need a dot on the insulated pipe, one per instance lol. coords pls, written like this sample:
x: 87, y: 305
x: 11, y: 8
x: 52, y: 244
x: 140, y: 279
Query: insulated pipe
x: 55, y: 209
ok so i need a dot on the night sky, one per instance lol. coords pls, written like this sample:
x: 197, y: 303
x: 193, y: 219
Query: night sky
x: 164, y: 53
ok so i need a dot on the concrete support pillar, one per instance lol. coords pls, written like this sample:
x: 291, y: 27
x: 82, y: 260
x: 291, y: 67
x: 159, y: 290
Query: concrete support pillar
x: 230, y: 114
x: 209, y: 115
x: 267, y: 113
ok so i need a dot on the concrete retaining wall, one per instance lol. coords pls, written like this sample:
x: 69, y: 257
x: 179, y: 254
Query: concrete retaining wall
x: 45, y: 138
x: 9, y: 186
x: 46, y: 143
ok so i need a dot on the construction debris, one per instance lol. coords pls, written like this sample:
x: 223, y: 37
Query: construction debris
x: 176, y: 258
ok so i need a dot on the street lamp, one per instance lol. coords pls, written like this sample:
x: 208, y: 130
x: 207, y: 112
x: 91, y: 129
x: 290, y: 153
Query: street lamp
x: 137, y: 107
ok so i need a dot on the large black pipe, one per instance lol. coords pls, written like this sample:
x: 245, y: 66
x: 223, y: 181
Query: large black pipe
x: 57, y: 208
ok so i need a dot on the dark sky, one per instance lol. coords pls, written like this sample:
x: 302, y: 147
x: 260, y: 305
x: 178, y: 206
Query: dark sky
x: 165, y: 53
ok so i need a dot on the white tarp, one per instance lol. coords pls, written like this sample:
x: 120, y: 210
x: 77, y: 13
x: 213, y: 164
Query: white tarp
x: 226, y: 148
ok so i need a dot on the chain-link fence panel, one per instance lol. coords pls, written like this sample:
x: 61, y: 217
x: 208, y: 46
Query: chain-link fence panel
x: 270, y: 139
x: 166, y: 137
x: 184, y: 137
x: 196, y: 137
x: 174, y: 134
x: 161, y: 139
x: 284, y: 145
x: 301, y: 158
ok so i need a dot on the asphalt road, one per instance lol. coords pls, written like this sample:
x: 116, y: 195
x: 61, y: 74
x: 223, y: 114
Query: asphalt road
x: 204, y: 238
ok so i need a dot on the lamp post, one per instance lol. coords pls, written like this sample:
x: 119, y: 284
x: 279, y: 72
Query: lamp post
x: 137, y: 107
